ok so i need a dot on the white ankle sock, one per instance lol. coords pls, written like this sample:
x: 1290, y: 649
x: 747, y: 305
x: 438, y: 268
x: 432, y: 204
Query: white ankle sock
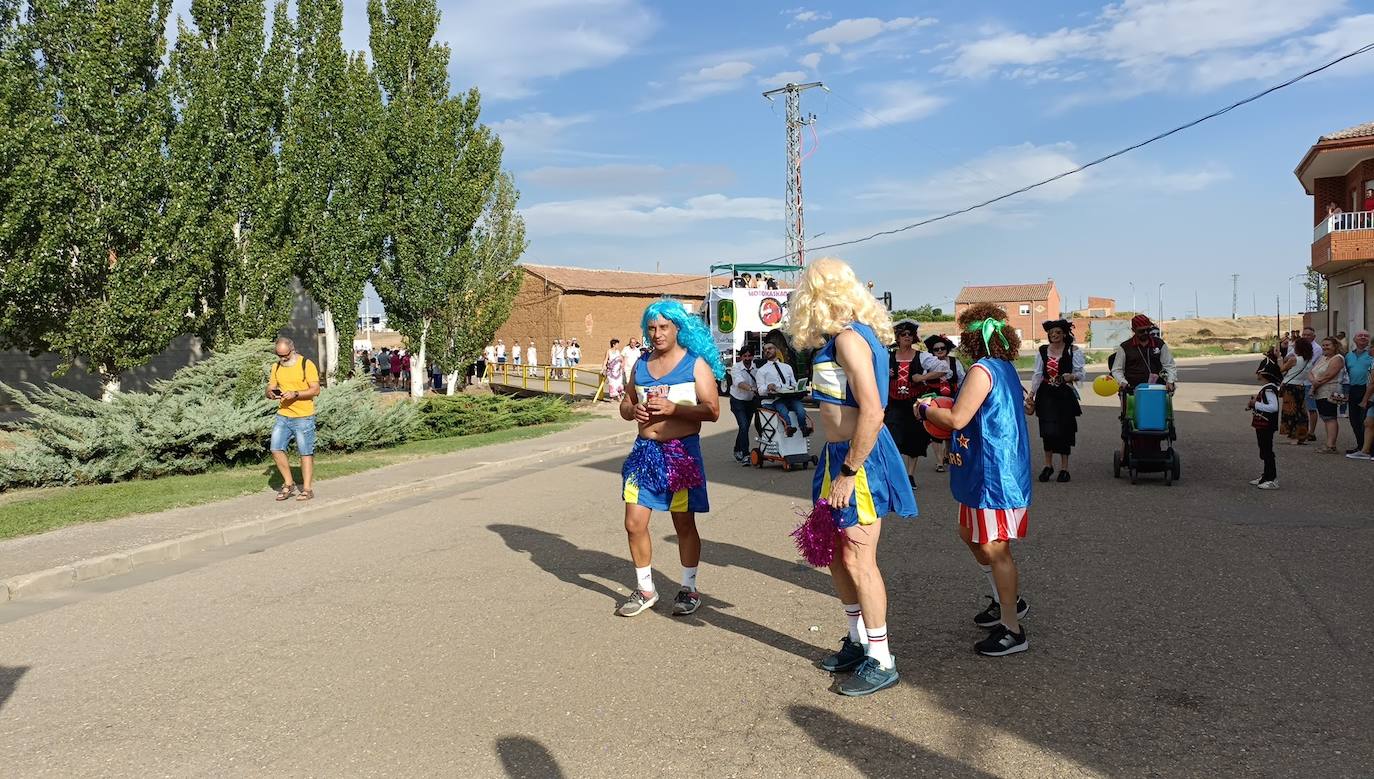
x: 877, y: 648
x: 987, y: 572
x: 689, y: 578
x: 645, y: 577
x: 856, y: 623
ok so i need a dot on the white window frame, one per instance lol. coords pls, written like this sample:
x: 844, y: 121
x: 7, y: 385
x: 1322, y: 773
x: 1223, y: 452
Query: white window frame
x: 1025, y: 309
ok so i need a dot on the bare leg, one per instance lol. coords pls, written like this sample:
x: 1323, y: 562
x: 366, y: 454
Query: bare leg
x: 1004, y: 574
x: 307, y: 471
x: 1049, y: 459
x: 1312, y: 423
x: 859, y: 559
x: 284, y: 468
x: 1368, y: 433
x: 688, y: 539
x: 637, y: 528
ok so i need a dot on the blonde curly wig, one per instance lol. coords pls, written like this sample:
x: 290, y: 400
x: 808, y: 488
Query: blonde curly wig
x: 827, y: 299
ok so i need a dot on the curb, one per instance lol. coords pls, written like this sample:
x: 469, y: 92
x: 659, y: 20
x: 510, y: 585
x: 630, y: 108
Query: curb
x: 65, y: 576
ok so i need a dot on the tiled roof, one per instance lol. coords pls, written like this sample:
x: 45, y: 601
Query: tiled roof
x: 1004, y: 293
x: 626, y: 282
x: 1358, y: 131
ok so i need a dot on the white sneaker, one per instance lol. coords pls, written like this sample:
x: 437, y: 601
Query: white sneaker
x: 1269, y: 485
x: 1256, y: 482
x: 1359, y: 456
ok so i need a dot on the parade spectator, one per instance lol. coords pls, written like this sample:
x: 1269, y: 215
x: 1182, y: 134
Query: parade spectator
x: 532, y: 357
x: 743, y: 395
x: 777, y: 380
x: 489, y: 360
x: 614, y: 368
x: 1293, y: 409
x: 557, y: 355
x: 516, y: 354
x: 1359, y: 362
x: 293, y: 383
x: 500, y: 352
x: 951, y: 374
x: 384, y: 368
x: 1264, y: 408
x: 1368, y: 199
x: 1309, y: 335
x: 1325, y: 377
x: 436, y: 376
x: 630, y: 354
x: 1053, y: 398
x: 574, y: 355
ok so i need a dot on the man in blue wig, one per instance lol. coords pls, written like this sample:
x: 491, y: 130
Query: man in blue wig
x: 669, y: 394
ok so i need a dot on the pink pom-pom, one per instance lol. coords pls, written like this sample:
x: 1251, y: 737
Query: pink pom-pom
x: 683, y: 471
x: 817, y: 535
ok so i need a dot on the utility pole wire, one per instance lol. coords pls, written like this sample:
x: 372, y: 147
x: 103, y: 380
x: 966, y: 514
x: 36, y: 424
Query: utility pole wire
x: 1099, y: 160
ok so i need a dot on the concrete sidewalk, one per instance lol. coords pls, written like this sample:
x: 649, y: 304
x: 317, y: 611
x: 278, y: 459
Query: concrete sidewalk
x: 64, y: 557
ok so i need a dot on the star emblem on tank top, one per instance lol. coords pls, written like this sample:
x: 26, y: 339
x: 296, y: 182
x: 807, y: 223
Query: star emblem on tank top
x: 963, y: 441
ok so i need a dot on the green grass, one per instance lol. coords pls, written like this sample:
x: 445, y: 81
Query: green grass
x: 36, y: 511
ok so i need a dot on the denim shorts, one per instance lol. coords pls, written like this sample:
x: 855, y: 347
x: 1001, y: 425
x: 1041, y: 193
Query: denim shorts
x: 303, y: 428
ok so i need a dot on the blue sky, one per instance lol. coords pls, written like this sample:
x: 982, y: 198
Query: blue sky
x: 639, y: 139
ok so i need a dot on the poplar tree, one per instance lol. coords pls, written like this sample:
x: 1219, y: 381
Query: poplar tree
x: 228, y: 88
x: 332, y: 159
x: 104, y: 286
x: 23, y: 126
x: 440, y: 170
x: 490, y: 281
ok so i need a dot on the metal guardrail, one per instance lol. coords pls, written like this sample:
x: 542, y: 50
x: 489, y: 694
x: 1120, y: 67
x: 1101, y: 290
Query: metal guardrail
x: 576, y: 381
x: 1354, y: 220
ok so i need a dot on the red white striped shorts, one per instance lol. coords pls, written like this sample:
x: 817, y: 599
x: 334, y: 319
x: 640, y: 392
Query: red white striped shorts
x: 993, y: 524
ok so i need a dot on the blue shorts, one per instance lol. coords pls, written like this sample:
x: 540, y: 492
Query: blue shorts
x: 880, y: 488
x: 648, y: 454
x: 303, y: 428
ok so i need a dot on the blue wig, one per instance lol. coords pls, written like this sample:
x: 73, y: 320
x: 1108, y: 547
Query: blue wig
x: 691, y: 332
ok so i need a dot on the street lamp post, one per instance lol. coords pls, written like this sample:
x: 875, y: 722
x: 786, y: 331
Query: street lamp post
x: 1160, y: 295
x: 1132, y: 283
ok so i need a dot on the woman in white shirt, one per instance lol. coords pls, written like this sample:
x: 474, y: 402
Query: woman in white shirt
x: 1058, y: 366
x: 1293, y: 412
x: 1326, y: 385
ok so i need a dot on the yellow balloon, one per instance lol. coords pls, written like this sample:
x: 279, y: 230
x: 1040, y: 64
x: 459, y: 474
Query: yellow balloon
x: 1105, y: 385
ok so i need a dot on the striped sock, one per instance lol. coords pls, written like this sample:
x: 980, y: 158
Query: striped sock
x: 856, y: 623
x: 877, y: 646
x: 992, y: 583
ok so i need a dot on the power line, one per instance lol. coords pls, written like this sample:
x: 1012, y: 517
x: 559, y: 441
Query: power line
x: 1098, y: 161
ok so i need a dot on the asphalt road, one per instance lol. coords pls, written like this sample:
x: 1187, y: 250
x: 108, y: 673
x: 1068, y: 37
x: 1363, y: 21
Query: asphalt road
x: 1203, y: 629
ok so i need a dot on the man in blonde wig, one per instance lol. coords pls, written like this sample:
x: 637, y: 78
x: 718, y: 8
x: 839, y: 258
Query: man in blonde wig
x: 860, y: 474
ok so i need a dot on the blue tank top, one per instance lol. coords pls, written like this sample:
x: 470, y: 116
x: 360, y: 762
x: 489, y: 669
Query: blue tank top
x: 989, y: 459
x: 829, y: 384
x: 679, y: 384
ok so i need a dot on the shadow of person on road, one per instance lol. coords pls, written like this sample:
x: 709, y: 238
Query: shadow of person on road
x: 525, y: 757
x: 874, y: 752
x: 9, y: 679
x: 793, y: 572
x: 574, y: 565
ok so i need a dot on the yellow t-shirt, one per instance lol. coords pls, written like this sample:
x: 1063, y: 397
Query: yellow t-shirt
x: 295, y: 378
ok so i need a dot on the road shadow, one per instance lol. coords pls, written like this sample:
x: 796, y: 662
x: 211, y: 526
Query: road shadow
x: 524, y: 757
x: 874, y: 752
x: 9, y: 680
x: 574, y: 565
x: 793, y: 572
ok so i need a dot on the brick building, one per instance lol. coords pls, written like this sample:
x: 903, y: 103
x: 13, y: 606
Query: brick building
x: 590, y: 305
x: 1098, y: 308
x: 1337, y: 172
x: 1027, y: 305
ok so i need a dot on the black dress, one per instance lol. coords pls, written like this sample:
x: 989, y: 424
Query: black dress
x: 900, y: 418
x: 1057, y: 407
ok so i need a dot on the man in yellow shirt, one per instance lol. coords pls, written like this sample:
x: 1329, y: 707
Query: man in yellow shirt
x: 294, y: 383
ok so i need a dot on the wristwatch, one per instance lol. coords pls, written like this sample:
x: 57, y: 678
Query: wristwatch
x: 845, y: 470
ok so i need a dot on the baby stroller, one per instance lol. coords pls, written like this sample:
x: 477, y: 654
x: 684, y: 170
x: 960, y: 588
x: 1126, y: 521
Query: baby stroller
x: 1148, y: 434
x: 792, y: 452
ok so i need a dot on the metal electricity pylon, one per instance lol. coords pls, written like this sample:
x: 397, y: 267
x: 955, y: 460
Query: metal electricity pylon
x: 796, y: 237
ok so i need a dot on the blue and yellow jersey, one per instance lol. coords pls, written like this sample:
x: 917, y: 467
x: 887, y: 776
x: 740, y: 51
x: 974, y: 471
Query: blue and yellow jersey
x: 829, y: 384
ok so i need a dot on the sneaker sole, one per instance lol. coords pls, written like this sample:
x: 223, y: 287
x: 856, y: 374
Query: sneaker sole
x: 678, y: 613
x: 1023, y: 646
x: 647, y: 605
x: 860, y: 693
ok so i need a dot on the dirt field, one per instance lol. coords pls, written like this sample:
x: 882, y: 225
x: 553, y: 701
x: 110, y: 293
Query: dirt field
x: 1230, y: 334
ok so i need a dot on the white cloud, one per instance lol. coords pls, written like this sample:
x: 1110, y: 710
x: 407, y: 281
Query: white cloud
x: 645, y: 215
x: 779, y: 79
x: 810, y: 61
x: 699, y: 84
x: 811, y: 16
x: 1296, y: 54
x: 623, y: 178
x: 725, y: 71
x: 849, y: 31
x: 893, y: 102
x: 535, y: 131
x: 505, y: 47
x: 1147, y: 40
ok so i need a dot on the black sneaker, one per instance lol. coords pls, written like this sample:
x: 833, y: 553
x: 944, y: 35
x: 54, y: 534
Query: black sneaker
x: 847, y: 659
x: 991, y: 616
x: 869, y: 678
x: 686, y: 602
x: 1002, y: 641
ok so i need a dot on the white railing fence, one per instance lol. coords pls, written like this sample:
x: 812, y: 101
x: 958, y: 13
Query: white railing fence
x: 1353, y: 220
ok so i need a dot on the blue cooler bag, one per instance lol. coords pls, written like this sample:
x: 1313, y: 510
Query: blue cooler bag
x: 1151, y: 407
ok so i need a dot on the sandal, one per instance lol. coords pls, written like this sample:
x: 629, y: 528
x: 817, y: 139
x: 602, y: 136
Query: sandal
x: 285, y: 492
x: 306, y: 495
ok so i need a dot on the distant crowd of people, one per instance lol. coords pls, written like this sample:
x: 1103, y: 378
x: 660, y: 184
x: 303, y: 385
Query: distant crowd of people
x: 754, y: 281
x: 563, y: 354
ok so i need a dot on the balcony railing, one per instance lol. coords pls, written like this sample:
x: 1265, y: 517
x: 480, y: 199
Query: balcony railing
x: 1355, y: 220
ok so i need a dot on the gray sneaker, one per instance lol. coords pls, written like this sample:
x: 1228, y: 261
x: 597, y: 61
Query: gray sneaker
x: 686, y: 602
x: 869, y: 678
x: 637, y: 603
